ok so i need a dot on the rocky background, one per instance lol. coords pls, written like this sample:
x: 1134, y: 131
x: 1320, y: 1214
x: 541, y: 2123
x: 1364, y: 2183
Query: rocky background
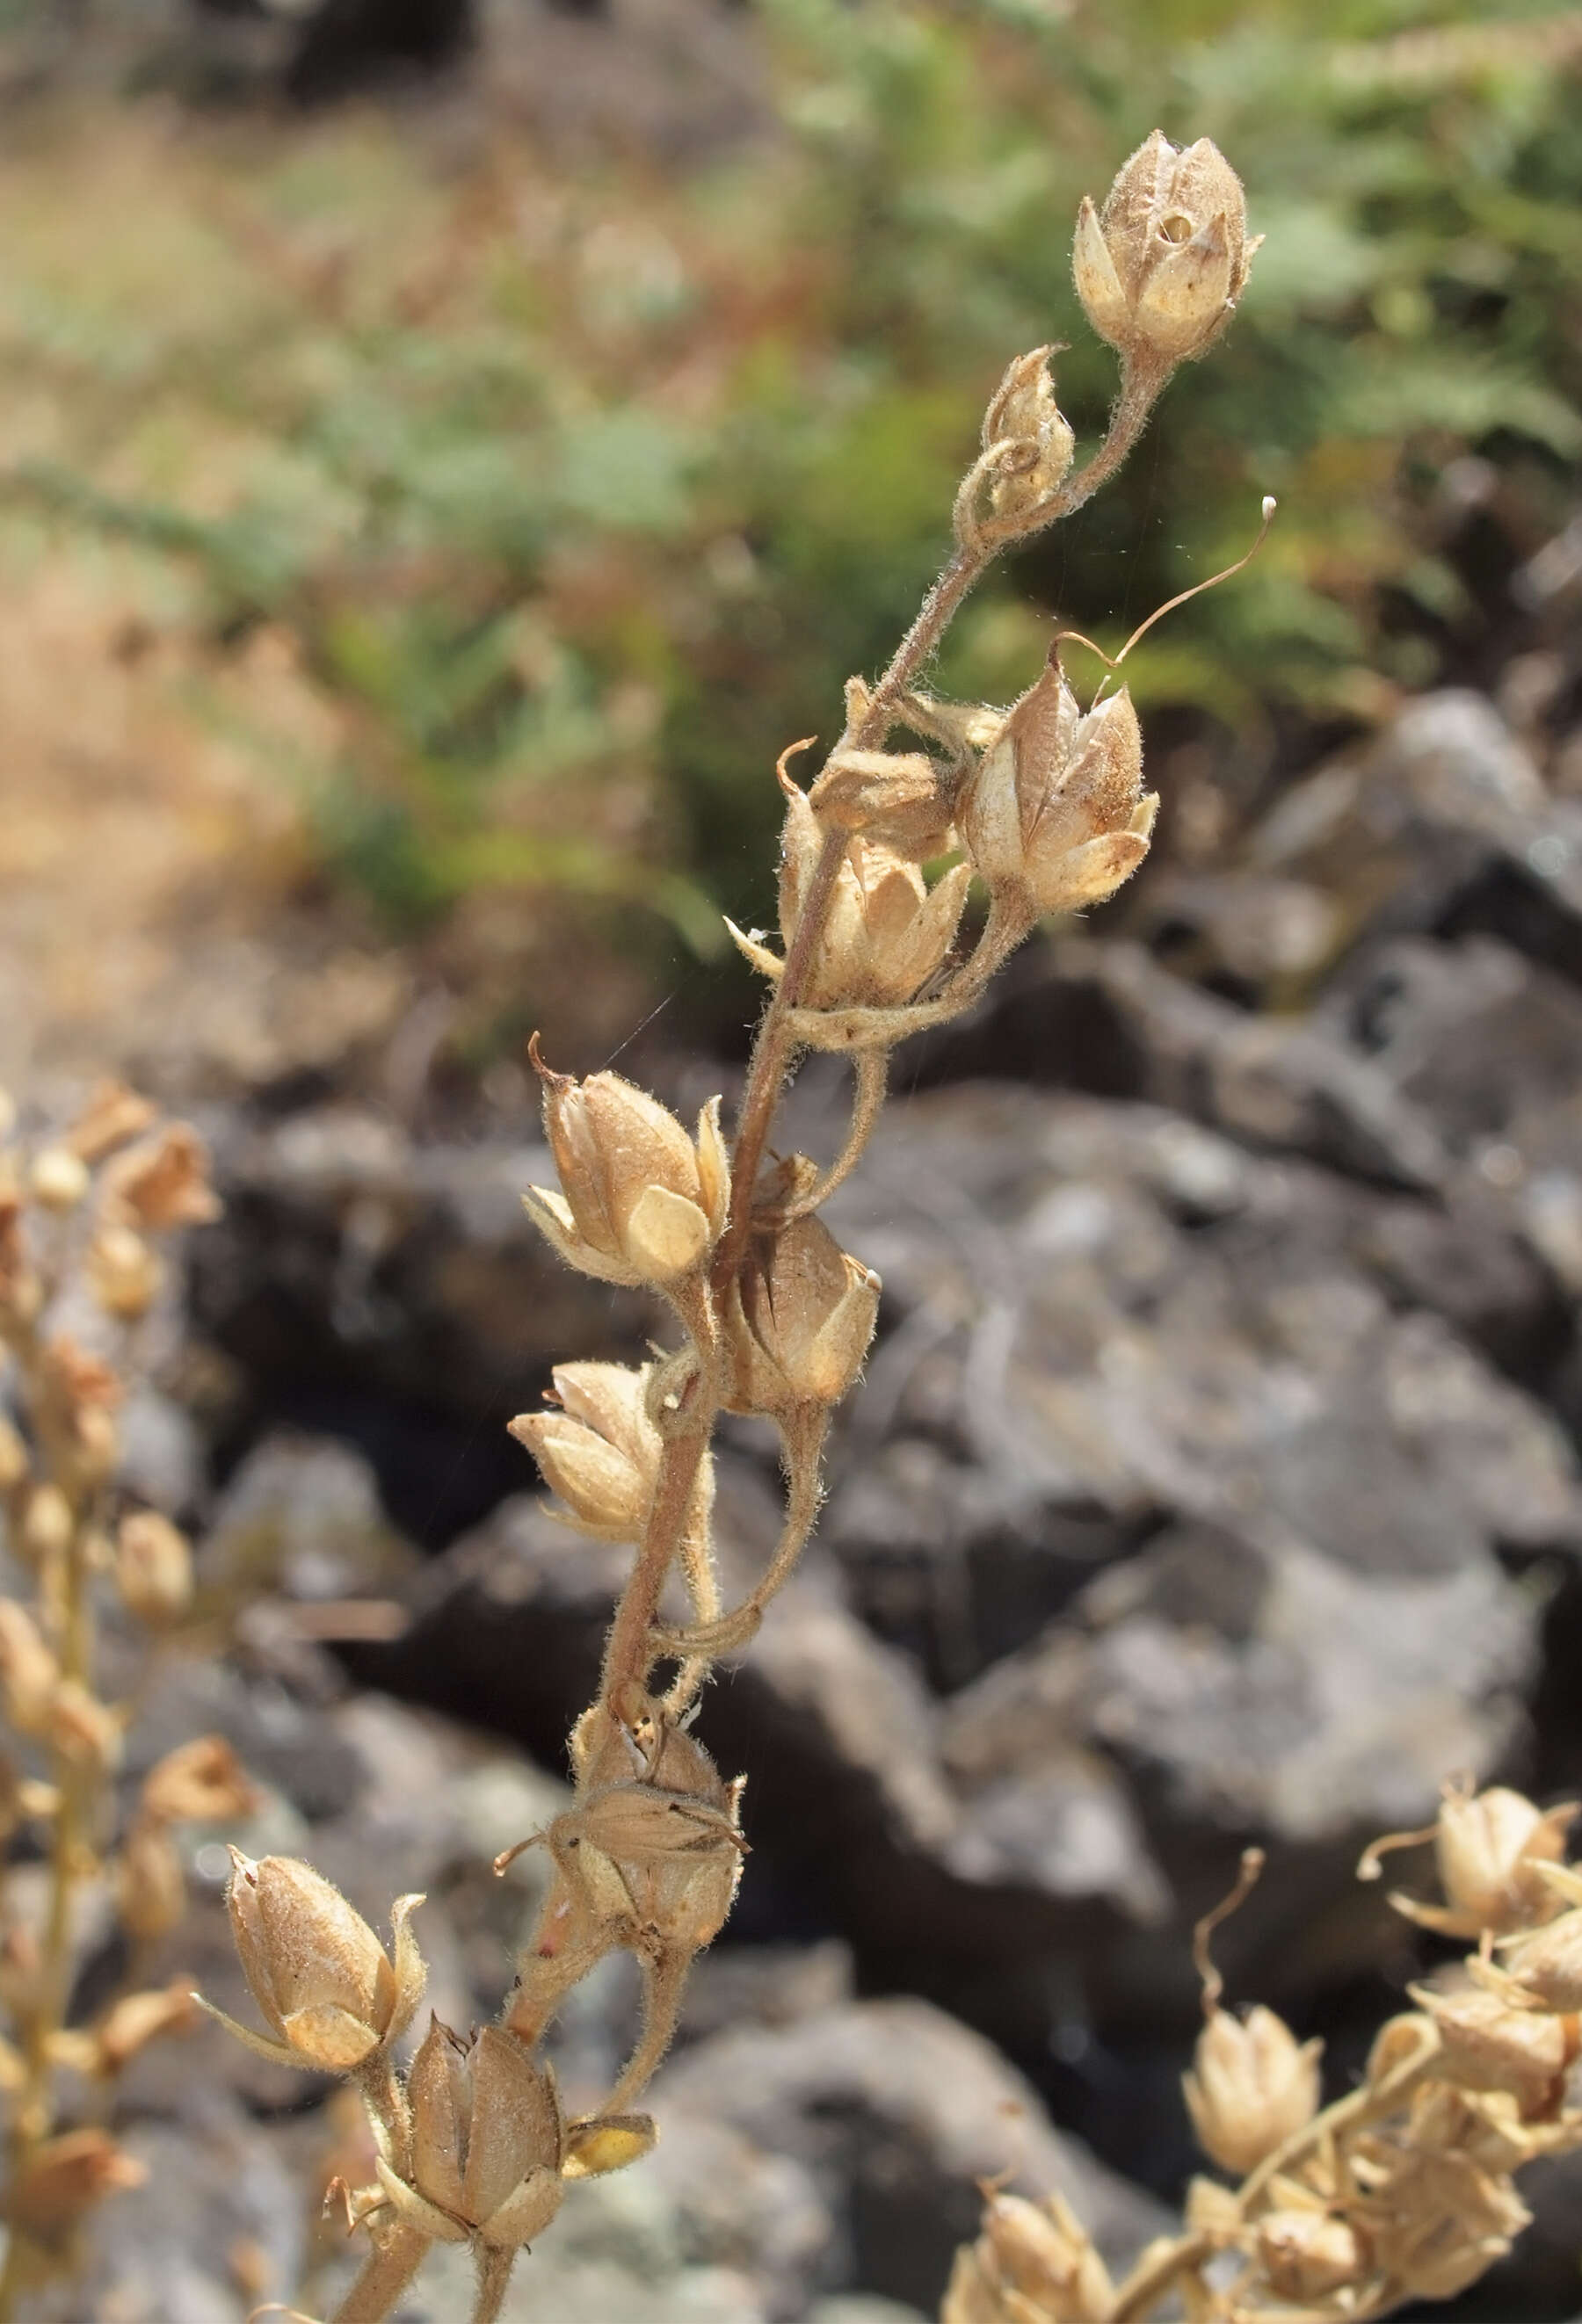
x: 1213, y: 1480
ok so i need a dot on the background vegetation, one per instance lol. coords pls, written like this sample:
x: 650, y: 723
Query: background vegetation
x: 572, y: 493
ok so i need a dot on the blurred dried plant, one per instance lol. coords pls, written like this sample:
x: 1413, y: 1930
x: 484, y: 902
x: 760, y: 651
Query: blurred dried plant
x: 82, y: 1217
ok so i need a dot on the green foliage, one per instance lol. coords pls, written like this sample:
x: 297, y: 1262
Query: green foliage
x: 579, y: 500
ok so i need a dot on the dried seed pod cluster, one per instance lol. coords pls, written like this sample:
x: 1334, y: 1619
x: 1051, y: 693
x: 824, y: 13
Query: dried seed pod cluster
x: 1402, y: 2188
x: 84, y: 1214
x: 1043, y: 804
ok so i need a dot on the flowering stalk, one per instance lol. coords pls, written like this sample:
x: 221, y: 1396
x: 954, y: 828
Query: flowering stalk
x: 1046, y: 807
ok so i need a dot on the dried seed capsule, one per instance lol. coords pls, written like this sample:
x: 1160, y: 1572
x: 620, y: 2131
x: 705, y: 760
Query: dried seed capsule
x: 113, y: 1115
x: 1023, y: 411
x: 1160, y: 269
x: 29, y: 1672
x: 600, y: 1452
x: 86, y: 1730
x: 1487, y: 1845
x: 124, y: 1273
x: 800, y: 1328
x: 47, y: 1525
x: 1547, y: 1963
x: 487, y: 2141
x: 59, y: 1178
x: 1305, y: 2255
x: 161, y: 1183
x: 1055, y: 807
x: 199, y: 1782
x: 1252, y: 2085
x: 640, y: 1204
x: 317, y: 1970
x: 1046, y: 2256
x: 154, y: 1568
x: 65, y: 2178
x: 151, y: 1889
x: 1484, y: 2044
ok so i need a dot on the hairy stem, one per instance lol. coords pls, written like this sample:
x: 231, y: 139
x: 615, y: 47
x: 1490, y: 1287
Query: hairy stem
x: 872, y: 1071
x: 494, y: 2275
x: 384, y: 2276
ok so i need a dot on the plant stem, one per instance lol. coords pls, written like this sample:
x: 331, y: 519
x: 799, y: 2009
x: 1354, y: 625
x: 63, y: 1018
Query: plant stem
x: 1154, y: 2274
x: 494, y: 2275
x: 384, y: 2276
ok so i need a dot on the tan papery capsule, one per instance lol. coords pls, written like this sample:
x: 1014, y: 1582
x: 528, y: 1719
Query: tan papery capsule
x: 1055, y: 808
x: 1484, y: 2044
x: 600, y: 1452
x: 88, y: 1732
x: 29, y: 1672
x: 1252, y: 2085
x: 969, y: 2297
x: 14, y: 1458
x: 199, y: 1782
x: 487, y: 2141
x: 1546, y: 1964
x: 47, y: 1525
x: 1023, y: 411
x: 66, y: 2177
x: 161, y: 1183
x: 1487, y: 1846
x: 124, y: 1273
x: 58, y: 1179
x: 1160, y: 269
x: 151, y: 1888
x: 640, y: 1202
x: 113, y: 1115
x: 1305, y: 2255
x: 154, y: 1567
x: 900, y: 799
x: 1046, y: 2256
x: 318, y: 1974
x: 138, y: 2018
x: 800, y: 1324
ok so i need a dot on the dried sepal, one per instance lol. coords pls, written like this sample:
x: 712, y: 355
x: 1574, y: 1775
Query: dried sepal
x: 64, y: 2178
x: 885, y: 932
x: 318, y: 1974
x: 201, y: 1781
x: 1028, y: 444
x: 1305, y: 2255
x: 639, y: 1204
x: 160, y: 1184
x: 902, y: 799
x: 1160, y: 269
x: 600, y: 1450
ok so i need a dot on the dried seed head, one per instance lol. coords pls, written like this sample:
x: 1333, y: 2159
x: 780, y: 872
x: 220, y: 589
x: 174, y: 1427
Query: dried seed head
x: 66, y: 2177
x: 14, y: 1463
x: 487, y: 2140
x: 1252, y: 2085
x: 59, y: 1178
x: 1484, y: 2044
x: 1547, y: 1963
x: 1023, y: 414
x: 199, y: 1782
x: 1438, y: 2221
x: 138, y: 2018
x: 640, y: 1204
x: 161, y: 1183
x: 317, y: 1970
x: 900, y: 799
x: 151, y: 1889
x: 1055, y: 808
x: 1044, y: 2255
x: 801, y: 1325
x: 85, y: 1731
x: 113, y: 1115
x: 124, y: 1273
x: 600, y: 1452
x: 1486, y: 1847
x: 1305, y: 2255
x: 154, y: 1568
x: 886, y: 933
x: 1160, y: 269
x: 47, y: 1525
x: 29, y: 1672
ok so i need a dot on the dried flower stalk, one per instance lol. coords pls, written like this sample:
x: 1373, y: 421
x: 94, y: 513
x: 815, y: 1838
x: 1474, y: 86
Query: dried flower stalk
x: 82, y: 1216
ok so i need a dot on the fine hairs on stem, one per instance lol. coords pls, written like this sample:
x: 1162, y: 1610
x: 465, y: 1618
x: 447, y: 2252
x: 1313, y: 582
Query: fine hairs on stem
x: 1401, y: 2189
